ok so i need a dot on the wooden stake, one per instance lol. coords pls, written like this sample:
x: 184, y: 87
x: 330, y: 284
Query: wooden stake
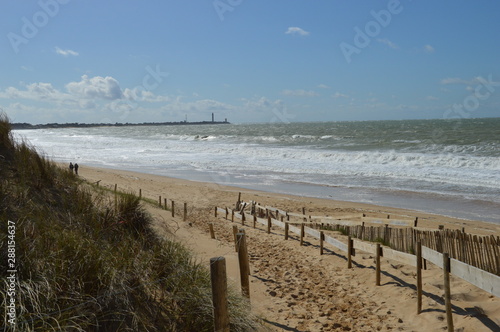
x: 349, y: 252
x: 302, y: 233
x: 219, y: 293
x: 321, y: 240
x: 447, y: 291
x: 211, y: 228
x: 235, y: 231
x: 165, y: 203
x: 215, y: 212
x: 185, y: 211
x: 287, y: 227
x: 377, y: 270
x: 269, y: 225
x: 243, y: 218
x: 244, y: 264
x: 173, y: 209
x: 254, y: 220
x: 159, y: 201
x: 140, y: 193
x: 419, y: 277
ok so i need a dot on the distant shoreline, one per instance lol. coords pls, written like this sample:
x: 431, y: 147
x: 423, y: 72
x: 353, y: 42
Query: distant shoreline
x: 17, y: 126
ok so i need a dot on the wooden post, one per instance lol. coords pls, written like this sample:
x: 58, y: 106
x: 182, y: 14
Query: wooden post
x: 268, y: 224
x: 215, y: 212
x: 377, y: 269
x: 447, y: 291
x: 140, y: 193
x: 232, y: 215
x: 185, y: 211
x: 302, y: 233
x: 415, y: 222
x: 235, y: 231
x: 238, y: 202
x: 349, y: 252
x: 227, y: 213
x: 173, y: 209
x: 287, y: 227
x: 211, y: 227
x: 165, y: 203
x: 254, y: 220
x: 159, y: 201
x: 321, y: 240
x: 219, y: 293
x: 244, y: 264
x: 116, y: 198
x: 243, y: 218
x: 419, y: 277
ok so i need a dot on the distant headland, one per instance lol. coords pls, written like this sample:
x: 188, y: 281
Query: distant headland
x: 117, y: 124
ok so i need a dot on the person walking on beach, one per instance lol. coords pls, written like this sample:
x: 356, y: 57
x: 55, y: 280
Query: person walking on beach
x: 76, y: 168
x: 71, y: 167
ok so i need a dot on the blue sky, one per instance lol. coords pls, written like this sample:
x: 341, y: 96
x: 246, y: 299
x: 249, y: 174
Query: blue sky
x: 248, y: 61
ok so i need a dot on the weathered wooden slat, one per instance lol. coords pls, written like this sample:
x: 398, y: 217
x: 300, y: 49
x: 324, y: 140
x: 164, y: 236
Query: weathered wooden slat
x: 334, y: 242
x: 312, y: 232
x: 401, y: 257
x: 482, y: 279
x: 432, y: 256
x: 367, y: 247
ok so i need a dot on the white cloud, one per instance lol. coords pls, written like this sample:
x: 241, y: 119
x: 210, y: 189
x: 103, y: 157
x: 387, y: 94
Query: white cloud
x: 431, y: 98
x: 323, y: 86
x: 339, y: 95
x: 299, y: 93
x: 296, y: 31
x: 454, y: 80
x: 388, y: 43
x: 429, y: 49
x: 66, y: 52
x: 139, y: 94
x: 96, y: 87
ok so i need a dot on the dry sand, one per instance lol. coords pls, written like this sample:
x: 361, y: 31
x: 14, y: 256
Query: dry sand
x: 293, y: 288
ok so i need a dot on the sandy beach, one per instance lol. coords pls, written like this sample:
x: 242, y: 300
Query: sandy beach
x: 293, y: 288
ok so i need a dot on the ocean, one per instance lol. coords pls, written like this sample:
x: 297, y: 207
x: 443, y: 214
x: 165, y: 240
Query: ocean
x: 448, y: 167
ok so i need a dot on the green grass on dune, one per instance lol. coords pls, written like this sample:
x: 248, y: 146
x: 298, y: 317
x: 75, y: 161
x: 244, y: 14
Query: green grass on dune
x: 84, y: 265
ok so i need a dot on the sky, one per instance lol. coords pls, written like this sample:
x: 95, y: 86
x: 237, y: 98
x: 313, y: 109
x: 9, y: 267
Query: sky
x: 93, y: 61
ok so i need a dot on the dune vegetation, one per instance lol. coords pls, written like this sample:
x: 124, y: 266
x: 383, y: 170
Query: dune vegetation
x: 84, y: 264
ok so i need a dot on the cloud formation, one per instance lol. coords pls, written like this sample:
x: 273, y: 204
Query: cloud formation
x: 388, y: 43
x: 296, y: 31
x: 428, y: 49
x: 97, y: 87
x: 299, y: 93
x: 66, y: 52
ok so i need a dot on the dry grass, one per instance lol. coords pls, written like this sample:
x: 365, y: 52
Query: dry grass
x: 85, y: 265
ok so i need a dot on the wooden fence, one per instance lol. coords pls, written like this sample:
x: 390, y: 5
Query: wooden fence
x: 485, y: 280
x: 479, y: 251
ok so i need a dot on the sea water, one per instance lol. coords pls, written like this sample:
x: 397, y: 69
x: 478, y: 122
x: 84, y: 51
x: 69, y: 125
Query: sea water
x: 449, y: 167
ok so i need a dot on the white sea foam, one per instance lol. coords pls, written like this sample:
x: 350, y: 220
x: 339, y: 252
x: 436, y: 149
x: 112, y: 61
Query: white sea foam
x: 319, y: 154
